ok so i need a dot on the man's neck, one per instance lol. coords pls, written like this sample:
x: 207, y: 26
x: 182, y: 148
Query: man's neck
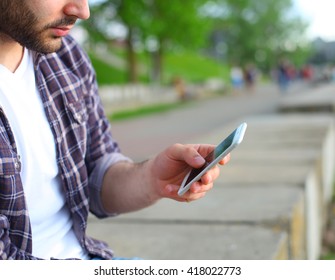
x: 11, y: 53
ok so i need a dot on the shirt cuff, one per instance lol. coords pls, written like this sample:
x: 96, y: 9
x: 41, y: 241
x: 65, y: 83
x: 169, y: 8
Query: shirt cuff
x: 96, y: 180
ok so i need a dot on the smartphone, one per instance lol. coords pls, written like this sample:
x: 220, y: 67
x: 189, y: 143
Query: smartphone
x: 221, y: 150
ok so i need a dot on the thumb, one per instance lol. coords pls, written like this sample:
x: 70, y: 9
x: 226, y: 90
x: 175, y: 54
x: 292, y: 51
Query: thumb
x: 193, y: 158
x: 186, y: 153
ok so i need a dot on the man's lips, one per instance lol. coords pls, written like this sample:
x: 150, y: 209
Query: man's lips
x: 61, y: 31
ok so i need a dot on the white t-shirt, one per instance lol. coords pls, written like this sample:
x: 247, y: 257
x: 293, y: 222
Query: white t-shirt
x: 52, y: 231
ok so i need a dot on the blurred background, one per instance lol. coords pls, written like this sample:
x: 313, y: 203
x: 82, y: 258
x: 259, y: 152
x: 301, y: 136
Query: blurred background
x: 193, y: 66
x: 146, y: 49
x: 152, y: 41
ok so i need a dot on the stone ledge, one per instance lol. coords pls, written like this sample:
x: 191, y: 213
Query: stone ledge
x: 269, y: 202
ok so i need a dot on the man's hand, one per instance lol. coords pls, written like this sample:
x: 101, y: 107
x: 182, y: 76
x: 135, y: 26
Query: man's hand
x: 170, y: 167
x: 133, y: 186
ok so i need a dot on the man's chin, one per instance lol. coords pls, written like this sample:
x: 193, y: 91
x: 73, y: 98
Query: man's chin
x: 50, y: 45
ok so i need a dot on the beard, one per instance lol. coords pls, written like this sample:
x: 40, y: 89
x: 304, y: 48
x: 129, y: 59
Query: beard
x: 21, y: 24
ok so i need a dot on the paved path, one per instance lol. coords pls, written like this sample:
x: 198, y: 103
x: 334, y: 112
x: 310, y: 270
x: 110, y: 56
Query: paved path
x: 145, y: 136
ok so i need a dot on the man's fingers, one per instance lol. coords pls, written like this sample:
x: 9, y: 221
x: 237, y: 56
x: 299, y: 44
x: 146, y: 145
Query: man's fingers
x: 187, y: 153
x: 225, y: 160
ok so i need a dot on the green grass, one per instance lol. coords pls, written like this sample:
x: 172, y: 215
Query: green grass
x: 194, y: 67
x: 106, y: 74
x: 330, y: 252
x: 144, y: 111
x: 190, y: 66
x: 329, y: 256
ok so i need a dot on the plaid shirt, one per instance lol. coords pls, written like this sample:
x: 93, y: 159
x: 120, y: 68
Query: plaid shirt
x: 84, y: 145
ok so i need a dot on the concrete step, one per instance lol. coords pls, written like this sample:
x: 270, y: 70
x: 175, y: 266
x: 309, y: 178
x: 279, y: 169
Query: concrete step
x: 269, y: 202
x: 318, y: 99
x: 173, y: 240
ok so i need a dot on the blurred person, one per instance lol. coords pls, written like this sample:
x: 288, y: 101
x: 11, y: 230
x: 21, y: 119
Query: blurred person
x: 236, y: 77
x: 307, y: 72
x: 58, y: 160
x: 180, y: 87
x: 250, y: 76
x: 283, y: 75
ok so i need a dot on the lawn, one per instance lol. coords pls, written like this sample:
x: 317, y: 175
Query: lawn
x: 190, y: 66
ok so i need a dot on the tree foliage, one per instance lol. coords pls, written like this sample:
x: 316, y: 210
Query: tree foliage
x: 256, y: 31
x: 156, y: 25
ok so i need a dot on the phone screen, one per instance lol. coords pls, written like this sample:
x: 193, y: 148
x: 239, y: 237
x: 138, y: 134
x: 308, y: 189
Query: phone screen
x: 220, y: 151
x: 224, y: 145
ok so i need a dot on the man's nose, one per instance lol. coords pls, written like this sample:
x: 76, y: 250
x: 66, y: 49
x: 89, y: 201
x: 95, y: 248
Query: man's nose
x: 77, y: 8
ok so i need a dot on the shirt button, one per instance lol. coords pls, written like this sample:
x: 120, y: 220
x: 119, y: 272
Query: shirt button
x: 17, y: 163
x: 79, y: 117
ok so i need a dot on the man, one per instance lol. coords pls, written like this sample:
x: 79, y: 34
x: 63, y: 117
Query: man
x: 58, y: 160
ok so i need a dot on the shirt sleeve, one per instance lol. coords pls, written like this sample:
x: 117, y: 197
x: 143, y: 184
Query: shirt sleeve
x: 103, y: 150
x: 8, y: 251
x: 96, y: 180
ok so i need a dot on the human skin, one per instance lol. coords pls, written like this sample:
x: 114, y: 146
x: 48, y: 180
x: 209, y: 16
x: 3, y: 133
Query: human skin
x: 40, y: 25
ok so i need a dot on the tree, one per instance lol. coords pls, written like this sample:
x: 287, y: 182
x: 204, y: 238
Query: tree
x: 157, y: 25
x: 130, y: 14
x: 172, y: 24
x: 258, y: 30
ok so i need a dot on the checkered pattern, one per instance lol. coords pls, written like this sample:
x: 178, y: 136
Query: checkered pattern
x: 85, y: 149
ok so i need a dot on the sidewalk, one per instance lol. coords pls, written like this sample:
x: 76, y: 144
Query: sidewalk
x: 269, y: 203
x: 319, y: 99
